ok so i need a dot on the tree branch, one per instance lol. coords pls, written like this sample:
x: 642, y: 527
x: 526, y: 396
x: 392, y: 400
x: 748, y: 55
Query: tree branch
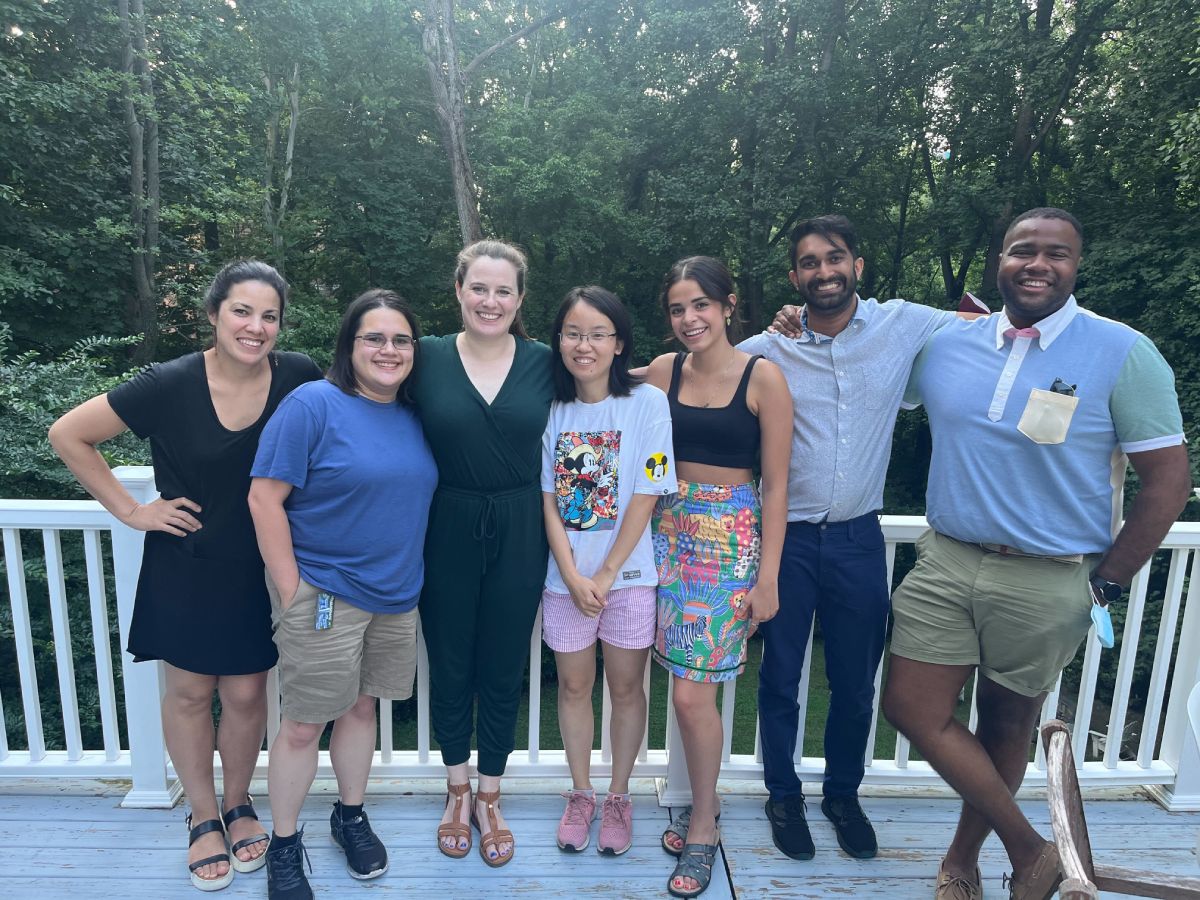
x: 513, y: 38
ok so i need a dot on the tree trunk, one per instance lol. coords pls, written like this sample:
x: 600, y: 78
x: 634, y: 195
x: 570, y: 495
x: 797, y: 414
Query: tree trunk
x: 141, y: 124
x: 275, y: 203
x: 447, y: 83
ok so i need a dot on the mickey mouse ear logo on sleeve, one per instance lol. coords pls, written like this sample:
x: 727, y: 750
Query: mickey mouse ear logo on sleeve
x: 656, y: 467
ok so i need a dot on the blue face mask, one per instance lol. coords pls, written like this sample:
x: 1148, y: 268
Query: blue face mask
x: 1103, y: 624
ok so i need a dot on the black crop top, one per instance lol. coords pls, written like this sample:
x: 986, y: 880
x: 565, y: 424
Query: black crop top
x: 725, y: 436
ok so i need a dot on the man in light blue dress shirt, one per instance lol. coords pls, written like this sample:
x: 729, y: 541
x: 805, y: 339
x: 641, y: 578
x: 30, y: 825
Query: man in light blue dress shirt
x: 847, y: 369
x: 1033, y: 412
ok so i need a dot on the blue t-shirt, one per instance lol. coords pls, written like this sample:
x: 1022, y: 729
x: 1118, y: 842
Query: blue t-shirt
x: 363, y: 479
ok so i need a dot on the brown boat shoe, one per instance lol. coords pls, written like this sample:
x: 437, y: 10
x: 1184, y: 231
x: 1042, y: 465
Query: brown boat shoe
x: 1043, y: 879
x: 955, y: 887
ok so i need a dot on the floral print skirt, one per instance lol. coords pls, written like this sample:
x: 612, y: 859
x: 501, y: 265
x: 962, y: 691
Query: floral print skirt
x: 707, y: 543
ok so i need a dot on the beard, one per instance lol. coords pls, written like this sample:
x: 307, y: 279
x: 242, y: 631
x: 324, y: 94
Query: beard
x: 831, y: 302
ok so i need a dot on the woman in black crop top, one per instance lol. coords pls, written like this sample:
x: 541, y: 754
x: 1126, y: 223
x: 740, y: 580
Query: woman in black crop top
x: 717, y: 555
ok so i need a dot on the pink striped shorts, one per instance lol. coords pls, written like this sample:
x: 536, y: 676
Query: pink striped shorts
x: 627, y: 620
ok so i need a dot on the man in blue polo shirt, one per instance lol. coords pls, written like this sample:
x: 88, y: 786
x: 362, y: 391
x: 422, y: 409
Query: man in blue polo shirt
x: 847, y: 366
x: 1031, y: 410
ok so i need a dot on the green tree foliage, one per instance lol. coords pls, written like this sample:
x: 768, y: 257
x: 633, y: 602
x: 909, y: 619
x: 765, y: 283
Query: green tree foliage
x: 608, y: 142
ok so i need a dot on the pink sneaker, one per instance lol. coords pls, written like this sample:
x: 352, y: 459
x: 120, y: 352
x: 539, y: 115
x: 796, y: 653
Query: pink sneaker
x: 616, y: 825
x: 574, y: 828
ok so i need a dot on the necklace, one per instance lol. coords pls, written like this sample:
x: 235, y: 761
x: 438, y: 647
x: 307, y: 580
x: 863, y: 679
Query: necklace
x: 716, y: 390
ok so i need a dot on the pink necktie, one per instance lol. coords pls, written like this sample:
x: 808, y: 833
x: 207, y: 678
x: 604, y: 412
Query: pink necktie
x: 1013, y: 333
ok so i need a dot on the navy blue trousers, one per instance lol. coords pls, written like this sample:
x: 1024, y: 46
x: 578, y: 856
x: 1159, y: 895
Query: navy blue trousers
x: 838, y: 571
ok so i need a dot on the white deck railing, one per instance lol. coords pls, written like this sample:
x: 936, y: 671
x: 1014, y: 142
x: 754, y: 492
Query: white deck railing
x: 1167, y: 759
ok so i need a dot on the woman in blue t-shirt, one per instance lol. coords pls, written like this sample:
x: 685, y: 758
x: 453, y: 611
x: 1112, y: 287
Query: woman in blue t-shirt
x: 340, y: 497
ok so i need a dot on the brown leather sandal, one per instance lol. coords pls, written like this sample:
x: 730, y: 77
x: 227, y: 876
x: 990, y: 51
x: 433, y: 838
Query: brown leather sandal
x: 454, y: 828
x: 494, y: 836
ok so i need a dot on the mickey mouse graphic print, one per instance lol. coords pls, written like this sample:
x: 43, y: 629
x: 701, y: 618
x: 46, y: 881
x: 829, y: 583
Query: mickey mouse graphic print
x: 595, y: 457
x: 586, y: 479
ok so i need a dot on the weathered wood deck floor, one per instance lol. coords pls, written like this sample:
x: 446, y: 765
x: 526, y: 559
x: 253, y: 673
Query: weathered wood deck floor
x: 57, y: 842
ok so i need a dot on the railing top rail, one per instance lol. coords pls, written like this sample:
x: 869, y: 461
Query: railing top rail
x: 90, y: 514
x: 54, y: 514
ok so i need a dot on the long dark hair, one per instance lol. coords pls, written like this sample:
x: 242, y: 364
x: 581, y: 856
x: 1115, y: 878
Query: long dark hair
x: 494, y: 249
x: 620, y: 381
x: 341, y: 372
x: 714, y: 280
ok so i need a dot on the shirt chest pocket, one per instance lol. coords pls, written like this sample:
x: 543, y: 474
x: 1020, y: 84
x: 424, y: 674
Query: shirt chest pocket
x: 1047, y: 416
x: 861, y: 387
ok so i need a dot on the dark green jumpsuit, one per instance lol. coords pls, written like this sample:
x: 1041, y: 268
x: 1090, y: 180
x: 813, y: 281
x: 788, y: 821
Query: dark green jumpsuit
x: 485, y: 550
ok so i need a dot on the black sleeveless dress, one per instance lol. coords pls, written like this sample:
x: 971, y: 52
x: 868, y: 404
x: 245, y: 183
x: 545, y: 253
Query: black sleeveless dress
x: 202, y: 602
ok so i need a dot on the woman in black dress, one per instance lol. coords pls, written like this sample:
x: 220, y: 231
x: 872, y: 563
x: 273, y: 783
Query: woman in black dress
x: 202, y: 605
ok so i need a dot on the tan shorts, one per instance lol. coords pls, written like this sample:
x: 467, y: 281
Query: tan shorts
x: 322, y: 673
x: 1020, y: 619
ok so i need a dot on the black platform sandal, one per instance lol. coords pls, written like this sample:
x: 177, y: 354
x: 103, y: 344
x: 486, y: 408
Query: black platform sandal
x: 241, y: 812
x: 194, y: 834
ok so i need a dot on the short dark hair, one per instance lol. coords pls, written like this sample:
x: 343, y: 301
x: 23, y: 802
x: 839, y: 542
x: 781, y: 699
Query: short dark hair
x: 620, y: 381
x: 235, y: 273
x: 341, y: 372
x: 829, y: 227
x: 714, y: 280
x: 501, y: 250
x: 1046, y: 212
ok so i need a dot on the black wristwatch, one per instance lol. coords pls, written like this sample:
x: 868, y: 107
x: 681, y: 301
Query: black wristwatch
x: 1107, y: 590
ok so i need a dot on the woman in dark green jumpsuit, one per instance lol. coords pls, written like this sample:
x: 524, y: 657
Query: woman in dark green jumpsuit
x: 484, y: 395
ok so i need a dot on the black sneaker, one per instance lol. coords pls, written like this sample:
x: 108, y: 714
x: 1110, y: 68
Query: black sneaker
x: 285, y: 870
x: 366, y: 857
x: 854, y: 832
x: 789, y: 827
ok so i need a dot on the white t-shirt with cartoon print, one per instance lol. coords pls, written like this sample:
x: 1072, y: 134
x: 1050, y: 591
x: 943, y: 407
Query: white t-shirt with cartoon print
x: 595, y: 457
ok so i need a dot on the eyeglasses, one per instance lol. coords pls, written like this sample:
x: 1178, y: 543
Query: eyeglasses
x: 377, y: 341
x: 595, y: 338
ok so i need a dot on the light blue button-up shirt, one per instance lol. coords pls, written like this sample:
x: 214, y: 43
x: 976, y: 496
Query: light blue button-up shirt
x: 988, y: 481
x: 846, y: 393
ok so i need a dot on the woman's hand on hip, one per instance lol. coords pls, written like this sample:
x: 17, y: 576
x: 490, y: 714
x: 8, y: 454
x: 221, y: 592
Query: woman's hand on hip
x: 172, y: 516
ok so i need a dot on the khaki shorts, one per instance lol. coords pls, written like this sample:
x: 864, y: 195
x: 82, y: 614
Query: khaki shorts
x: 322, y: 673
x: 1020, y: 619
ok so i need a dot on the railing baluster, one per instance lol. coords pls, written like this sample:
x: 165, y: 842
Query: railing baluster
x: 1049, y: 711
x: 1087, y: 696
x: 1125, y: 667
x: 644, y: 750
x: 605, y: 720
x: 802, y: 696
x: 142, y: 682
x: 1157, y: 690
x: 101, y: 644
x: 64, y: 656
x: 386, y: 738
x: 1176, y: 737
x: 890, y: 557
x: 14, y: 563
x: 674, y: 789
x: 422, y: 698
x: 535, y: 687
x: 273, y: 711
x: 973, y: 717
x: 728, y: 704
